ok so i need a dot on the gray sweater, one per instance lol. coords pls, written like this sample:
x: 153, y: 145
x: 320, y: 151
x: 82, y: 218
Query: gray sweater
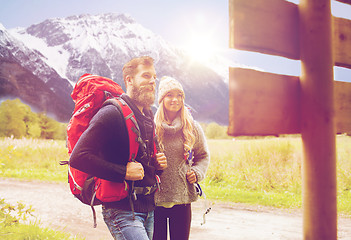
x: 174, y: 186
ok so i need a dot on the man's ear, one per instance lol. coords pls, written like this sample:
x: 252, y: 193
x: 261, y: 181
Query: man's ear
x: 128, y: 80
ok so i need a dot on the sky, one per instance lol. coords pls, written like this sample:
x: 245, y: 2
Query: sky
x: 201, y: 26
x: 174, y: 20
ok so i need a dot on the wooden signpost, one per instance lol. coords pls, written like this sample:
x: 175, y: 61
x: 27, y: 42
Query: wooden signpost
x: 313, y: 105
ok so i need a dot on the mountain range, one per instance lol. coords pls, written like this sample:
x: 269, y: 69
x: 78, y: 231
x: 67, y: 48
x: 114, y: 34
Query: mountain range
x: 40, y: 64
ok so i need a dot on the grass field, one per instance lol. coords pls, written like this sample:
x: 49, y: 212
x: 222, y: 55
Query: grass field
x: 265, y: 171
x: 12, y: 226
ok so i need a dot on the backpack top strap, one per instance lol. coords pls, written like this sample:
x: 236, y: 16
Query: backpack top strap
x: 131, y: 123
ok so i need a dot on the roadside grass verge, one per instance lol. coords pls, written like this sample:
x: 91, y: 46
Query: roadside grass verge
x: 33, y: 159
x: 267, y: 172
x: 14, y: 225
x: 262, y: 171
x: 33, y: 231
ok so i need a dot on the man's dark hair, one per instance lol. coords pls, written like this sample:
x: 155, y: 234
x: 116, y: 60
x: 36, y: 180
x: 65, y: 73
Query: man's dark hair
x: 130, y: 67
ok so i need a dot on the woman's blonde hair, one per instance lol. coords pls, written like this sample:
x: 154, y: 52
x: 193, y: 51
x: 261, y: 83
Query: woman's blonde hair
x: 186, y: 121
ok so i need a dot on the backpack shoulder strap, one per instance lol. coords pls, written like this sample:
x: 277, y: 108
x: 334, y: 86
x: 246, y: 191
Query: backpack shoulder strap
x: 132, y: 125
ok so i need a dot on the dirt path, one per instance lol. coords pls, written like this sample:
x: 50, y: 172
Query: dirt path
x: 56, y: 207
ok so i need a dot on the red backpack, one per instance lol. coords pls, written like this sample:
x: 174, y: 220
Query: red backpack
x: 90, y: 93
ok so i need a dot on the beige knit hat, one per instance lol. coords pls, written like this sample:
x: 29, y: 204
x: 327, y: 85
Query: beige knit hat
x: 167, y: 84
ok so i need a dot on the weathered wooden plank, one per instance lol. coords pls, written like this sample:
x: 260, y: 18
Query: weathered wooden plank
x: 269, y: 104
x: 342, y: 42
x: 342, y: 98
x: 263, y: 103
x: 269, y: 26
x: 345, y: 1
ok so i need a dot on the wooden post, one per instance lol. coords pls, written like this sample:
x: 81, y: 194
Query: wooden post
x: 317, y: 121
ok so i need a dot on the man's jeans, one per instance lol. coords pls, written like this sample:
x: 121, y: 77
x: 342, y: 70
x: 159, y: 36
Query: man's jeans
x: 122, y: 226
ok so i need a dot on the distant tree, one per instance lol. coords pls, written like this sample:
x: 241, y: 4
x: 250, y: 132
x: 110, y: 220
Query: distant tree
x: 33, y: 125
x: 51, y: 129
x: 17, y: 120
x: 48, y: 127
x: 215, y: 131
x: 61, y: 133
x: 12, y: 114
x: 34, y: 131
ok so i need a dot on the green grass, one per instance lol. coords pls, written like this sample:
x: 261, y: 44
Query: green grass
x: 263, y: 171
x: 12, y: 227
x: 33, y: 159
x: 226, y: 193
x: 33, y: 232
x: 267, y: 171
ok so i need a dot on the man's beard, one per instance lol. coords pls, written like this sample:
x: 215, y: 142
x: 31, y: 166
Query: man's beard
x: 143, y: 96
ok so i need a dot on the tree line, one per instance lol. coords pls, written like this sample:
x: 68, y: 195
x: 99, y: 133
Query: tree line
x: 19, y: 121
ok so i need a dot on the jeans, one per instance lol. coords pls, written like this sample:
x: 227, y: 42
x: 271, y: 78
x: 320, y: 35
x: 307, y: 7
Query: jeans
x: 122, y: 226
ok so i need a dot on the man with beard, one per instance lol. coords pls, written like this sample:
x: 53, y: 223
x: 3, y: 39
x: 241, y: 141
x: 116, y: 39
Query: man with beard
x: 103, y: 151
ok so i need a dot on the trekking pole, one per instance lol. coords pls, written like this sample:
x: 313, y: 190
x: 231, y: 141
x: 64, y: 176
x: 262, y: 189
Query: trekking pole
x: 208, y: 209
x: 189, y: 158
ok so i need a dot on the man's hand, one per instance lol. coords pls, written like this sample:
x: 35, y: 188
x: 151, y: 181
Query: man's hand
x: 135, y: 171
x: 161, y: 161
x: 191, y: 177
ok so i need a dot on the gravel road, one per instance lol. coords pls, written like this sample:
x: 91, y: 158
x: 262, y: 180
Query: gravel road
x: 57, y: 208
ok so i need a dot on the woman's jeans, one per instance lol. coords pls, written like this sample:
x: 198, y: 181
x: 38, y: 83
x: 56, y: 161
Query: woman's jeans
x: 122, y: 225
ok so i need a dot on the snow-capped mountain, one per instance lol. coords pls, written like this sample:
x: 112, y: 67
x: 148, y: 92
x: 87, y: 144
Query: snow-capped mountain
x: 23, y: 74
x: 66, y: 48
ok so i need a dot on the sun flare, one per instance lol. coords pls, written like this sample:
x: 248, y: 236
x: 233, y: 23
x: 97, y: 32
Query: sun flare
x: 201, y: 47
x: 200, y: 36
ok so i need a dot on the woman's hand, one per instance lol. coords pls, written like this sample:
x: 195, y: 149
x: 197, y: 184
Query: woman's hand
x: 191, y: 176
